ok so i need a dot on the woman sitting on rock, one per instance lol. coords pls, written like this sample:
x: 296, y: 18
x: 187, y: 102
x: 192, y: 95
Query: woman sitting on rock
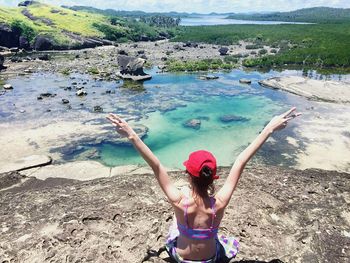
x: 194, y: 235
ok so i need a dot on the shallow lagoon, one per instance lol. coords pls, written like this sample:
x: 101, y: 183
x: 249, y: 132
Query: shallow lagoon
x: 163, y: 104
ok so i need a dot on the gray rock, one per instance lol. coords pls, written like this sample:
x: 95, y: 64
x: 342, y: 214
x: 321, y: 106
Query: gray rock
x: 132, y: 68
x: 8, y: 86
x: 193, y: 123
x: 233, y: 118
x: 223, y: 51
x: 208, y: 77
x: 245, y: 81
x: 65, y: 101
x: 98, y: 109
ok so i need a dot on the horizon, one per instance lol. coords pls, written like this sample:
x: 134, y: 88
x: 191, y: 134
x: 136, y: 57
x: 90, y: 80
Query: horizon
x: 196, y: 6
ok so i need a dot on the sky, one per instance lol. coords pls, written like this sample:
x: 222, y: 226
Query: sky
x: 199, y: 6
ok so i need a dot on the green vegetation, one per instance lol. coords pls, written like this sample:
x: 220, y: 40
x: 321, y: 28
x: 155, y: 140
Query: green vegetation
x: 311, y: 15
x: 201, y: 65
x: 318, y: 46
x: 65, y: 26
x: 93, y: 71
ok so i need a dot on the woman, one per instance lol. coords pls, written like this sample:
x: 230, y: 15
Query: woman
x: 193, y: 237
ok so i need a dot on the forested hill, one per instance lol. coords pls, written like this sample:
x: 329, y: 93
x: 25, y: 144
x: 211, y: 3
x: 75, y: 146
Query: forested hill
x: 312, y: 15
x: 136, y: 13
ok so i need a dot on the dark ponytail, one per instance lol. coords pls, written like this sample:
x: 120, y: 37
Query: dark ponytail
x: 204, y: 183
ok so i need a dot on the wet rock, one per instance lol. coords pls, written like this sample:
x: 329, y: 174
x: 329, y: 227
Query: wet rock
x: 39, y: 98
x: 81, y: 92
x: 8, y: 86
x: 193, y: 123
x: 164, y: 59
x: 65, y: 101
x: 208, y: 77
x: 223, y: 51
x: 98, y: 109
x: 245, y: 81
x: 233, y: 118
x: 140, y: 52
x: 47, y: 95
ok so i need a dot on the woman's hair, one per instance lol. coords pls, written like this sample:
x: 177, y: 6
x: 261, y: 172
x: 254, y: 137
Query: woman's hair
x: 204, y: 183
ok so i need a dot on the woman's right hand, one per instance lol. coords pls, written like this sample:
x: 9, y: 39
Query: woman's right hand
x: 122, y: 127
x: 280, y: 122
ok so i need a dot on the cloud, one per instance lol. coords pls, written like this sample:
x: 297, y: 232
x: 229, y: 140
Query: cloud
x: 202, y: 6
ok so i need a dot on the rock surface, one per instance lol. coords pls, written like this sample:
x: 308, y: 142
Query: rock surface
x: 245, y: 81
x: 132, y: 68
x: 276, y: 213
x: 324, y: 90
x: 26, y: 163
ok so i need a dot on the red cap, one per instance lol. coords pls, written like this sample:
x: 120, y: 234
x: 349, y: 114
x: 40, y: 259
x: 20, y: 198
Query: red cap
x: 197, y: 160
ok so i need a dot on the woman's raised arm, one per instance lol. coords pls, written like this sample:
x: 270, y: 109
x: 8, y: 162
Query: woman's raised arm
x: 277, y: 123
x: 160, y: 172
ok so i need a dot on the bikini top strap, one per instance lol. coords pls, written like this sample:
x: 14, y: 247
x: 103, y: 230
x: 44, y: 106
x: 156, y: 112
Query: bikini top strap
x: 213, y: 214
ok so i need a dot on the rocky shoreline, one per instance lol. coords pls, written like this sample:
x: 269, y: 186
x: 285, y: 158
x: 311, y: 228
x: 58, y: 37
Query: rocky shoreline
x: 278, y: 214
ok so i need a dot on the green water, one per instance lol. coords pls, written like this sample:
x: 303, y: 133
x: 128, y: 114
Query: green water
x: 172, y: 142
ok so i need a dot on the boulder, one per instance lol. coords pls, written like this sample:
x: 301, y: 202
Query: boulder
x: 14, y: 49
x: 232, y: 118
x: 43, y: 43
x: 193, y: 124
x: 245, y: 81
x: 132, y: 68
x: 65, y: 101
x: 9, y: 36
x: 223, y: 51
x: 24, y: 43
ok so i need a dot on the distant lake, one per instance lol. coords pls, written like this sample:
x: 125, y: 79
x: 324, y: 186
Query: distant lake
x: 207, y: 20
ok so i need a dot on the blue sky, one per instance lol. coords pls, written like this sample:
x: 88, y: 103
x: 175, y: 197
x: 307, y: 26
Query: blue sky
x: 200, y: 6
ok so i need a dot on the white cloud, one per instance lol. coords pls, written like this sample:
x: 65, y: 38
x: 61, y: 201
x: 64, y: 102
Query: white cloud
x: 201, y: 6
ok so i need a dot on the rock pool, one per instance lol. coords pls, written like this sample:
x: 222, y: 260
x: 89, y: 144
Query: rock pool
x: 228, y: 114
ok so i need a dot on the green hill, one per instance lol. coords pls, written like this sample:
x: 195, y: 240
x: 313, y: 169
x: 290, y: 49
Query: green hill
x: 63, y: 28
x: 311, y: 15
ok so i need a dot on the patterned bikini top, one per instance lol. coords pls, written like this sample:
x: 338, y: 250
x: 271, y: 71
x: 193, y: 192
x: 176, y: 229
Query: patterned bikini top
x: 199, y: 234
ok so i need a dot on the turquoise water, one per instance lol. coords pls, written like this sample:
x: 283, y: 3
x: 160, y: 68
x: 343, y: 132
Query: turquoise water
x: 172, y: 142
x: 163, y: 105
